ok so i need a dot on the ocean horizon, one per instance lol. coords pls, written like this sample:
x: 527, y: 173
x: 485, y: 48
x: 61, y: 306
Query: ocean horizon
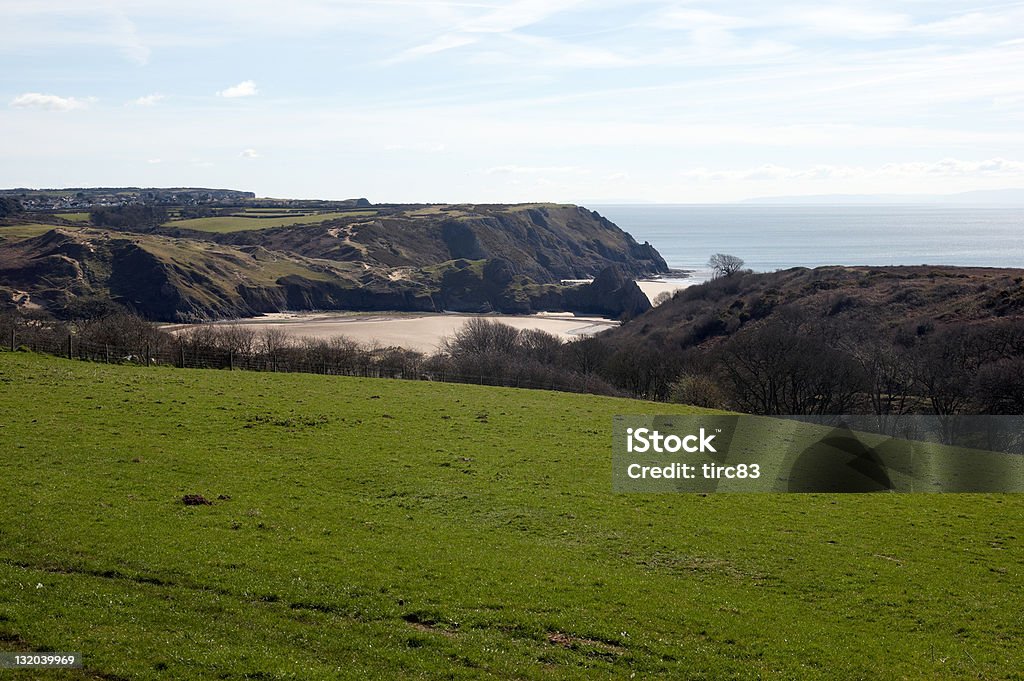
x: 772, y: 237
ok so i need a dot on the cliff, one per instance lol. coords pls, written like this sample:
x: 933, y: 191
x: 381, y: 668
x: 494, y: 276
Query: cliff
x: 508, y: 259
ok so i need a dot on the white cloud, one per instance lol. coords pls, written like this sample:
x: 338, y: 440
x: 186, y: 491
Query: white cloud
x: 440, y: 44
x: 518, y: 14
x: 419, y: 147
x: 36, y: 100
x: 148, y: 100
x: 852, y: 23
x: 945, y: 168
x: 502, y: 19
x: 154, y: 161
x: 695, y: 19
x: 951, y: 167
x: 556, y: 53
x: 247, y: 88
x: 533, y: 170
x: 249, y: 153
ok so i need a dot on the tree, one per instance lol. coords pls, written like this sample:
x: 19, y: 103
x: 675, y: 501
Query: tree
x: 775, y: 369
x: 129, y: 217
x: 9, y: 206
x: 481, y: 337
x: 889, y: 380
x: 725, y: 265
x: 699, y: 390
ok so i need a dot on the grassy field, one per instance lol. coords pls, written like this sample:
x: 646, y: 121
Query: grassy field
x: 74, y: 217
x: 392, y: 529
x: 27, y: 231
x: 241, y: 224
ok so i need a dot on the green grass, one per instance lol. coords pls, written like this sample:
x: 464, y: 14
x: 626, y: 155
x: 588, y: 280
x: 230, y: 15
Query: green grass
x: 241, y: 224
x: 207, y: 258
x: 74, y: 217
x: 394, y: 529
x: 27, y: 230
x: 276, y: 211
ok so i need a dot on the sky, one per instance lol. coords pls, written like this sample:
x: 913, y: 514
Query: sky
x: 518, y: 100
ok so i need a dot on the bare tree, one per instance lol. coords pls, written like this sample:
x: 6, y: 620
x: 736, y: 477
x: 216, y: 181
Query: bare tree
x: 725, y: 265
x: 772, y: 370
x: 480, y: 336
x: 586, y: 355
x: 889, y: 381
x: 541, y: 346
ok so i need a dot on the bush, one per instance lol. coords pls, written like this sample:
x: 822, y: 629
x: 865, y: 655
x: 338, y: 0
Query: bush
x: 698, y: 390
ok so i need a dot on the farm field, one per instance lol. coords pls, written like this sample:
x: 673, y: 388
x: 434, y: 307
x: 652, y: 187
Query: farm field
x: 27, y: 230
x: 74, y: 217
x: 390, y: 529
x: 240, y: 224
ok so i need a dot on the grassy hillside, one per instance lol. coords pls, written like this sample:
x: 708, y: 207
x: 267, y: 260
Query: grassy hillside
x: 24, y: 231
x: 240, y: 223
x: 386, y: 529
x: 355, y: 259
x: 870, y: 299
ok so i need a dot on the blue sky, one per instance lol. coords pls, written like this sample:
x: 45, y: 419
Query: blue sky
x: 518, y: 100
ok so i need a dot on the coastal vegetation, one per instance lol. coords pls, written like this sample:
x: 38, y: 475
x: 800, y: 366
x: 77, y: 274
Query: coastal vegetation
x: 882, y: 341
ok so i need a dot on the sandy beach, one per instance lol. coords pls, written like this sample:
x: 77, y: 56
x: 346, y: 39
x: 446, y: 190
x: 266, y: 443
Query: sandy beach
x: 653, y: 287
x: 425, y: 331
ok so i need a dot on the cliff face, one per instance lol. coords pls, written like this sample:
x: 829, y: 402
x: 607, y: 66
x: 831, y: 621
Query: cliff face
x: 545, y: 243
x: 471, y: 259
x: 164, y: 279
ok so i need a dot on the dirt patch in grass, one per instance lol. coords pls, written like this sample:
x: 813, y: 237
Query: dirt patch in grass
x: 420, y: 622
x: 560, y: 638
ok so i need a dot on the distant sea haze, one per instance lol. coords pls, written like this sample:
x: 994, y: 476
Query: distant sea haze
x: 771, y: 237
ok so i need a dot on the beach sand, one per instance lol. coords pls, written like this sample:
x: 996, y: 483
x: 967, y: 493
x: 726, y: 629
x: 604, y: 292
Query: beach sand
x: 425, y: 331
x: 652, y: 287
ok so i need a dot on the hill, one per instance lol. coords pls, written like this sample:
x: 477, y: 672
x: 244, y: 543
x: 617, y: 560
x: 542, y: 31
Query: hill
x: 343, y: 543
x: 416, y: 258
x: 860, y: 300
x: 875, y: 340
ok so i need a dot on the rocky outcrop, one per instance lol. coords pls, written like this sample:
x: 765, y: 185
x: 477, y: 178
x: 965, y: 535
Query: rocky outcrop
x: 301, y: 293
x: 611, y: 294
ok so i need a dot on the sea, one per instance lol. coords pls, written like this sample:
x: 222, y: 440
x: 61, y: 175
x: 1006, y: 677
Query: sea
x: 773, y: 237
